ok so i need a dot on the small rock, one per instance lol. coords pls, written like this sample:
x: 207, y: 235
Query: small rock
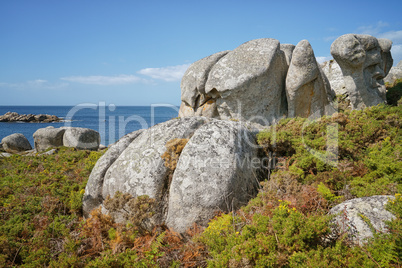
x: 81, y: 138
x: 15, y: 143
x: 45, y: 138
x: 352, y: 214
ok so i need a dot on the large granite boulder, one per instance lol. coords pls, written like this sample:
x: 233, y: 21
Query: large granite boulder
x: 215, y: 172
x: 333, y: 72
x: 48, y: 137
x: 15, y: 143
x: 81, y: 138
x: 288, y: 50
x: 307, y: 88
x: 141, y: 169
x: 193, y: 95
x: 93, y: 190
x: 394, y: 74
x: 248, y: 83
x: 364, y: 61
x: 352, y: 217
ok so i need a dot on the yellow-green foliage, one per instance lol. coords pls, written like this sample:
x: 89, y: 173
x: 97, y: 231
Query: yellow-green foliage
x: 40, y: 204
x: 369, y: 148
x: 286, y: 225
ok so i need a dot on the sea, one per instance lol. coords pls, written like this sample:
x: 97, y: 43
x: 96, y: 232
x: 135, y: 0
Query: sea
x: 111, y: 121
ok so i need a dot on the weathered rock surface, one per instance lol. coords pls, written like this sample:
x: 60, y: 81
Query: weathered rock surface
x: 288, y: 50
x: 333, y: 72
x: 222, y: 150
x: 40, y: 118
x: 394, y: 74
x: 93, y: 190
x: 352, y: 214
x: 248, y: 83
x: 307, y: 88
x: 48, y: 137
x: 15, y: 143
x: 81, y: 138
x: 194, y: 79
x: 364, y: 61
x: 214, y: 173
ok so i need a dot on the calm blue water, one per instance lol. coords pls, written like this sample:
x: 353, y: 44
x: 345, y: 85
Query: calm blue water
x: 112, y: 122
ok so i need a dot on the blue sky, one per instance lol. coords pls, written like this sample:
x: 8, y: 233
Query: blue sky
x: 55, y: 52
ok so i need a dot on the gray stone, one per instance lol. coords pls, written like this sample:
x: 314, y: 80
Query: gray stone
x: 93, y: 190
x: 102, y: 147
x: 333, y: 72
x: 81, y: 138
x: 5, y: 154
x: 394, y: 74
x: 15, y: 143
x: 140, y: 169
x: 364, y: 62
x: 387, y: 60
x: 307, y: 88
x: 48, y: 137
x: 248, y: 83
x: 195, y: 77
x: 288, y: 50
x: 349, y: 217
x: 1, y: 147
x: 214, y: 173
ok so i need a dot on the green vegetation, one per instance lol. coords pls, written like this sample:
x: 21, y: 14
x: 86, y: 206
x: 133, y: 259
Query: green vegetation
x: 286, y: 225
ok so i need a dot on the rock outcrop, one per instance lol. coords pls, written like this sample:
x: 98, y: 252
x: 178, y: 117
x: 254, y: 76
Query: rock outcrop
x: 307, y: 88
x: 31, y: 118
x: 75, y: 137
x: 333, y: 72
x: 93, y: 190
x: 48, y: 137
x: 394, y: 74
x: 15, y: 143
x: 364, y: 61
x: 355, y: 216
x: 195, y: 102
x: 81, y: 138
x: 139, y: 169
x: 214, y: 172
x: 248, y: 83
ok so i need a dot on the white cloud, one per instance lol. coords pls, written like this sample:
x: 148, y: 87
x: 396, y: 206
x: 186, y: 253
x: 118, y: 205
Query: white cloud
x: 169, y: 73
x: 372, y: 29
x: 323, y: 59
x: 104, y: 80
x: 35, y: 84
x: 394, y: 36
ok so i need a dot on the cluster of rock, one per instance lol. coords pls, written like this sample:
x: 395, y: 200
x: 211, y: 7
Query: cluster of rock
x: 220, y: 165
x: 31, y: 118
x: 262, y: 80
x: 218, y: 170
x: 50, y: 137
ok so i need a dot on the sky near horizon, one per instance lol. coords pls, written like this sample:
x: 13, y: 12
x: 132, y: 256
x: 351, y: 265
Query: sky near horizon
x: 135, y: 52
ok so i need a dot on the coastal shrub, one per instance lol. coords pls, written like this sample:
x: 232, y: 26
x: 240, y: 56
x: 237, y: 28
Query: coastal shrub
x: 40, y: 204
x: 394, y: 92
x: 285, y: 225
x: 365, y: 159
